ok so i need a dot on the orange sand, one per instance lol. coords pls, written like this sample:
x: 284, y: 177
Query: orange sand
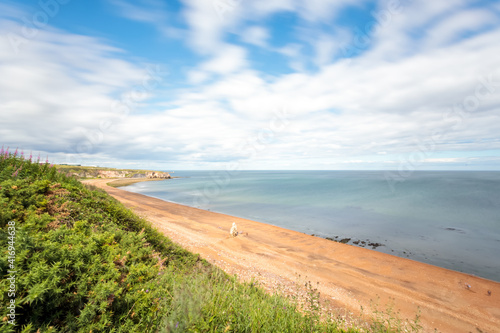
x: 348, y: 276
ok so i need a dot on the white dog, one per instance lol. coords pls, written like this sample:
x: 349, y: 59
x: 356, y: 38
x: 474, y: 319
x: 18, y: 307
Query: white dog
x: 234, y: 230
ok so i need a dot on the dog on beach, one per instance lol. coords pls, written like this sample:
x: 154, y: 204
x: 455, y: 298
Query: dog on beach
x: 234, y: 230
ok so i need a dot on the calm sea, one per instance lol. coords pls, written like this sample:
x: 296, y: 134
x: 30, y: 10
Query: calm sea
x: 448, y: 219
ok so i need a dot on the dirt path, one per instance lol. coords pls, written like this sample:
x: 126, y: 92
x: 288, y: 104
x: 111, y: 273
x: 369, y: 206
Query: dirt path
x: 348, y: 276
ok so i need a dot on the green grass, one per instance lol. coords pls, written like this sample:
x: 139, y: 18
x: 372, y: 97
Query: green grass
x: 86, y: 172
x: 85, y: 263
x: 78, y: 168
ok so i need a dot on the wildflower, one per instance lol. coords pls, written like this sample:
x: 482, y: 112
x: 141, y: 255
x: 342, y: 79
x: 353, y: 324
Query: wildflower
x: 15, y: 153
x: 1, y: 151
x: 31, y: 155
x: 17, y: 171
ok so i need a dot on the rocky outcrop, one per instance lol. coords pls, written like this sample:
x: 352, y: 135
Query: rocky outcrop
x: 157, y: 175
x: 152, y: 175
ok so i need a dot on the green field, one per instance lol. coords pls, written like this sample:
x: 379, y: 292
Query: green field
x: 79, y: 168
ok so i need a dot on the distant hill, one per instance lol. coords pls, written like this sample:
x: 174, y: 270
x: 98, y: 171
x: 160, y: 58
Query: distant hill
x: 83, y: 172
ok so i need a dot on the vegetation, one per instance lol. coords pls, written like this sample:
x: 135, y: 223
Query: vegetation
x: 75, y: 260
x: 83, y: 172
x: 89, y: 169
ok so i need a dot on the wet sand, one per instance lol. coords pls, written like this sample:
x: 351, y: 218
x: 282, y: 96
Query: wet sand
x: 348, y: 276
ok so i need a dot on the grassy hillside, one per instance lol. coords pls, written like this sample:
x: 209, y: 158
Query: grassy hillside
x: 98, y: 172
x: 80, y: 168
x: 75, y: 260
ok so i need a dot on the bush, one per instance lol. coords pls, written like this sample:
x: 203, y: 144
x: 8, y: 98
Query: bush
x: 82, y: 261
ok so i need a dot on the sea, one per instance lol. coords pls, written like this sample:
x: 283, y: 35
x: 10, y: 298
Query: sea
x: 449, y: 219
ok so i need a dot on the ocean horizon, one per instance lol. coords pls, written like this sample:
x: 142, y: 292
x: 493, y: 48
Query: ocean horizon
x: 449, y: 219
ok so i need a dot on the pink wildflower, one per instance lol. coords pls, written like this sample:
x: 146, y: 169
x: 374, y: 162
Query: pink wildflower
x: 5, y: 154
x: 17, y: 171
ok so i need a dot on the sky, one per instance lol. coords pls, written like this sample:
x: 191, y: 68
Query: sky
x: 400, y: 85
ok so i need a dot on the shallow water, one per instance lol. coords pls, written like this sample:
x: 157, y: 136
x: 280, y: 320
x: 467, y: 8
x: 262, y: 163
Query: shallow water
x: 448, y: 219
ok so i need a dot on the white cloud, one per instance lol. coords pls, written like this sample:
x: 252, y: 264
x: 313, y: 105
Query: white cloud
x: 326, y: 47
x: 445, y: 160
x: 371, y: 105
x: 395, y: 29
x: 229, y: 59
x: 150, y: 11
x: 265, y: 7
x: 389, y: 100
x: 58, y: 89
x: 197, y: 76
x: 208, y: 24
x: 255, y: 35
x: 311, y: 10
x: 450, y: 29
x: 323, y: 10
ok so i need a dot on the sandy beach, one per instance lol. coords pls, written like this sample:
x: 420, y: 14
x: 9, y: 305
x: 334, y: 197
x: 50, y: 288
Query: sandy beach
x: 349, y: 277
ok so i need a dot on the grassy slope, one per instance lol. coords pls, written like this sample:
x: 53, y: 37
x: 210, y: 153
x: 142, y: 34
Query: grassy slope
x: 78, y: 168
x: 89, y: 170
x: 85, y: 263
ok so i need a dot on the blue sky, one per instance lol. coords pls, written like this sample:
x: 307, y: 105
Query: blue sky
x: 224, y: 84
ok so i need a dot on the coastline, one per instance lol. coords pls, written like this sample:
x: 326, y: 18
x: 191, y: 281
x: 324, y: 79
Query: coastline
x: 348, y: 276
x: 129, y: 181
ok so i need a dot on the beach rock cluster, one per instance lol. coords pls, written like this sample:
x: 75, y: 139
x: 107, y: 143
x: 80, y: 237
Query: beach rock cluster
x: 357, y: 242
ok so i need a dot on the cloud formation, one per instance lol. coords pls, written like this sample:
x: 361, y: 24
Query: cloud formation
x: 396, y: 88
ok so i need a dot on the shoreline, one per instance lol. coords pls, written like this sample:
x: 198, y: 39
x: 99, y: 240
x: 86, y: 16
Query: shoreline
x: 348, y: 276
x: 120, y: 182
x: 419, y: 244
